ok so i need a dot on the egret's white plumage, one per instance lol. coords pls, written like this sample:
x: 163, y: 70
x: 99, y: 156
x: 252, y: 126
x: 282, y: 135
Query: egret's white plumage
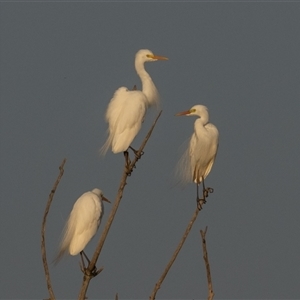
x: 82, y: 224
x: 127, y: 108
x: 199, y: 158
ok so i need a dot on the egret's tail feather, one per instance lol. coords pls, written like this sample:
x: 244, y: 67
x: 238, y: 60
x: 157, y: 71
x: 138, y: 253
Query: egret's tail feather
x: 183, y: 169
x: 106, y: 146
x: 67, y: 234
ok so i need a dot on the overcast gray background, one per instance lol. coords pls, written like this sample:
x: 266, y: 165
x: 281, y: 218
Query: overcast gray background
x: 60, y: 65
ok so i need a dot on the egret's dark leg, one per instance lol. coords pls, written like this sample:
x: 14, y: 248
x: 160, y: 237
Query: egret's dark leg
x: 82, y: 262
x: 83, y: 267
x: 82, y: 253
x: 85, y: 256
x: 127, y: 162
x: 136, y: 152
x: 95, y: 269
x: 200, y: 201
x: 207, y: 190
x: 204, y: 191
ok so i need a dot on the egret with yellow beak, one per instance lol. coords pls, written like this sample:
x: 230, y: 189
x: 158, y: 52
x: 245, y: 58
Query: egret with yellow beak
x: 198, y: 159
x: 127, y: 108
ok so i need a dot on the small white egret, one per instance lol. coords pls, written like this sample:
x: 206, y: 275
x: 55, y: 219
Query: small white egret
x: 199, y: 158
x: 83, y: 223
x: 127, y: 108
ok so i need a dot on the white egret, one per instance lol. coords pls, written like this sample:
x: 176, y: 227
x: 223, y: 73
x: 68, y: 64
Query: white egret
x: 83, y: 223
x: 127, y: 108
x: 199, y: 158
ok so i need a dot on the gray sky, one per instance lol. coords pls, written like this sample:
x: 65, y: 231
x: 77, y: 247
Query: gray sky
x: 60, y: 65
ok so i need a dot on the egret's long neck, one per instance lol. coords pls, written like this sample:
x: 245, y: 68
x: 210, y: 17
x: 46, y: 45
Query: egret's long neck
x: 148, y: 86
x: 199, y: 126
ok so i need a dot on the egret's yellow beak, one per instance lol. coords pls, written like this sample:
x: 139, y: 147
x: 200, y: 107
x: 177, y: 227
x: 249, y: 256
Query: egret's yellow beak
x: 158, y: 57
x: 104, y: 199
x: 183, y: 113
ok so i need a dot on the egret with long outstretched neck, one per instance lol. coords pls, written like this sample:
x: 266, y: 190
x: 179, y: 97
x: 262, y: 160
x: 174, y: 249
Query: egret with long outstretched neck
x: 127, y: 108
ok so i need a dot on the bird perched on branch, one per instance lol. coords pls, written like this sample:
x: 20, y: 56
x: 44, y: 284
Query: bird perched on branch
x: 83, y: 223
x: 127, y: 108
x: 198, y: 159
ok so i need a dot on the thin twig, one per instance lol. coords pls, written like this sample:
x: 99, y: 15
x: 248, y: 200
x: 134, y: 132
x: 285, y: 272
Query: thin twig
x: 169, y: 265
x: 205, y: 257
x: 43, y: 245
x: 89, y: 274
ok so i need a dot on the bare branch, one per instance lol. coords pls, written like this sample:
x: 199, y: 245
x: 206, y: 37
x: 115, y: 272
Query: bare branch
x: 205, y: 257
x: 89, y: 274
x: 169, y: 265
x: 43, y: 245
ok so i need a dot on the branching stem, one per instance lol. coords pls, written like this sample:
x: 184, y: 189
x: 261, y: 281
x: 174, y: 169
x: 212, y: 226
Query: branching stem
x: 205, y: 257
x: 169, y: 265
x: 43, y: 244
x: 127, y: 170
